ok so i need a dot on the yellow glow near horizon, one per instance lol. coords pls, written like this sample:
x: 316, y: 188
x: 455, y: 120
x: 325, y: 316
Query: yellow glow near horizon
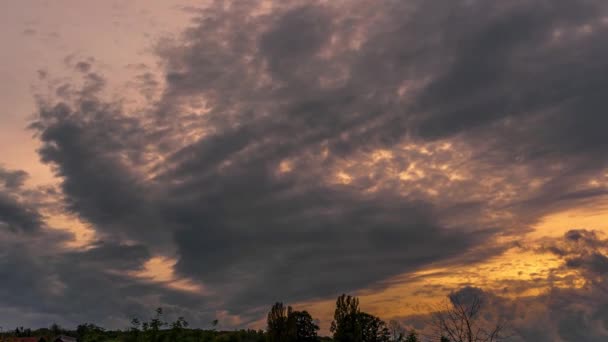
x: 556, y: 224
x: 516, y: 273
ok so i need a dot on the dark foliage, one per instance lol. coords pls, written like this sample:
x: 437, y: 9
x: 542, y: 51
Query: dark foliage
x: 302, y: 327
x: 352, y: 325
x: 457, y: 323
x: 285, y: 324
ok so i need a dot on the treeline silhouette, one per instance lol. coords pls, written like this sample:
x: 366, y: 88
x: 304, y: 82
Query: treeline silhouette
x: 456, y: 322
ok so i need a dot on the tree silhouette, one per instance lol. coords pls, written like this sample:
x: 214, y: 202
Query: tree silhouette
x: 277, y: 323
x: 352, y: 325
x: 285, y: 324
x: 134, y: 331
x: 150, y: 331
x: 373, y: 329
x: 301, y: 327
x: 177, y: 329
x: 412, y: 337
x: 459, y: 320
x: 344, y: 326
x: 23, y: 332
x: 89, y: 332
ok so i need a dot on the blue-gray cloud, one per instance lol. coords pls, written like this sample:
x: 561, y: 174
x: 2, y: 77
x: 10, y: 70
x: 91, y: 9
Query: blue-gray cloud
x: 518, y: 85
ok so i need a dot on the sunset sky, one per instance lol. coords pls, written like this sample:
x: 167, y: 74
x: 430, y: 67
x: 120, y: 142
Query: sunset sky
x: 214, y: 157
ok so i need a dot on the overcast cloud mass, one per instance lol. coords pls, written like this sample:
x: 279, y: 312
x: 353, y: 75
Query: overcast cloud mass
x: 296, y: 150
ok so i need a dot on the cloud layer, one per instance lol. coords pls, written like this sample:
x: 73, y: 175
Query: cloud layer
x: 296, y: 150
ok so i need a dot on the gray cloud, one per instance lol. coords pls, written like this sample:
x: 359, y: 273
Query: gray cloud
x: 567, y: 314
x: 516, y: 89
x: 12, y: 178
x: 44, y: 282
x: 17, y: 218
x: 582, y: 250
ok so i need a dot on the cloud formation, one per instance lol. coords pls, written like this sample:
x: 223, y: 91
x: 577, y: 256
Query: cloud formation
x: 573, y: 309
x: 298, y: 150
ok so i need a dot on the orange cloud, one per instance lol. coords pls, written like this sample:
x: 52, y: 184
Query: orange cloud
x: 160, y: 269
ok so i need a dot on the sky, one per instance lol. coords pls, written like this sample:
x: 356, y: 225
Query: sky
x: 215, y: 157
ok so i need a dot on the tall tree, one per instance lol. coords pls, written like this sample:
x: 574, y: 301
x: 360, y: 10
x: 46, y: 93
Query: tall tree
x: 301, y: 327
x: 373, y: 329
x: 352, y: 325
x: 345, y: 326
x: 277, y: 323
x: 287, y: 325
x: 460, y: 320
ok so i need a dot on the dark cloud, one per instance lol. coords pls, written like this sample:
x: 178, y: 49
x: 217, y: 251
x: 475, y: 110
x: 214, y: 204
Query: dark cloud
x: 17, y: 217
x: 573, y: 313
x: 562, y: 314
x: 596, y: 262
x: 84, y: 143
x: 235, y: 168
x: 583, y: 250
x: 120, y: 256
x: 45, y: 281
x: 12, y: 179
x: 65, y: 287
x: 83, y: 66
x: 273, y: 231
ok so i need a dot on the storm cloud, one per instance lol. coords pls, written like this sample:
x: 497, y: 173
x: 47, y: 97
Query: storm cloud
x: 304, y: 149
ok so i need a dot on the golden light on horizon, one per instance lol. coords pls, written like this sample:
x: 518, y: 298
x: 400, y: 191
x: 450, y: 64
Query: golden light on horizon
x: 516, y: 273
x: 593, y: 217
